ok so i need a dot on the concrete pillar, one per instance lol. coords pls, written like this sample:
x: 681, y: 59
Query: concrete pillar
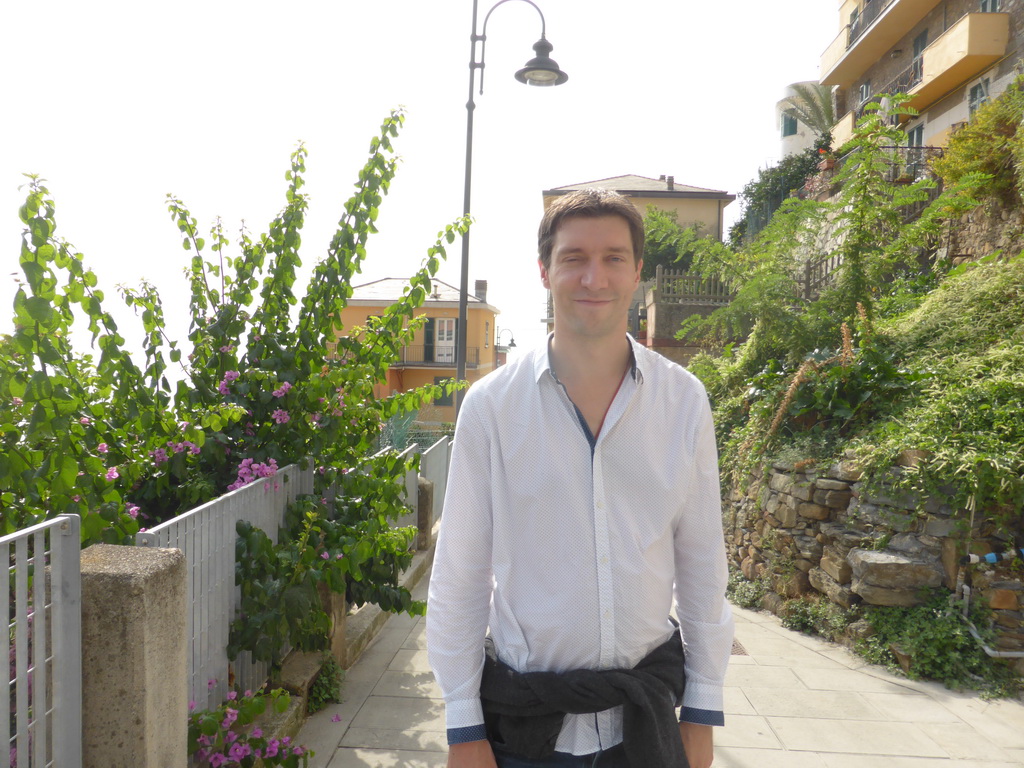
x: 134, y: 671
x: 425, y: 514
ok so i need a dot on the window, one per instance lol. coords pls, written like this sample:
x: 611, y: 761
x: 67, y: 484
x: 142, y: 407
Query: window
x: 789, y: 126
x: 978, y: 96
x: 917, y: 63
x: 915, y: 136
x: 864, y: 92
x: 990, y: 6
x: 443, y: 399
x: 487, y: 334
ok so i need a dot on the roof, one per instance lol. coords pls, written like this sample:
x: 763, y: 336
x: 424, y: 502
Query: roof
x: 390, y: 289
x: 643, y: 186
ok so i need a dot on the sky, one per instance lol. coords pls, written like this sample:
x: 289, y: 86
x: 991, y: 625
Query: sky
x: 118, y: 103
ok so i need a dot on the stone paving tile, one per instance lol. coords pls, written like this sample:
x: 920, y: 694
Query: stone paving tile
x: 739, y: 757
x: 846, y: 705
x: 796, y: 657
x: 735, y: 702
x: 742, y: 660
x: 419, y: 685
x: 880, y: 761
x: 418, y: 741
x: 385, y: 758
x: 1002, y: 722
x: 962, y: 741
x: 848, y: 680
x: 746, y: 731
x: 406, y: 660
x: 418, y: 637
x: 757, y: 676
x: 397, y: 713
x: 895, y: 707
x: 854, y: 737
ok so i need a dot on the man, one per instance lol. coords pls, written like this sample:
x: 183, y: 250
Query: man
x: 583, y: 492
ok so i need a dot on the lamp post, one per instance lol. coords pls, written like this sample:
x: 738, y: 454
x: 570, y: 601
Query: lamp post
x: 541, y: 70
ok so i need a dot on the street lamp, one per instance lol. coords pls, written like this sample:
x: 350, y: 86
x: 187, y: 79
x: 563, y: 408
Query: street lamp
x: 511, y: 338
x: 541, y: 70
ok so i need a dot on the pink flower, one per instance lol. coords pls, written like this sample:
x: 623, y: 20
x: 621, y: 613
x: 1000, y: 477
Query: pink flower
x: 132, y: 509
x: 336, y: 719
x: 227, y: 348
x: 76, y: 498
x: 271, y: 749
x: 102, y: 448
x: 17, y: 400
x: 191, y: 706
x: 338, y: 556
x: 159, y: 456
x: 282, y: 390
x: 210, y: 683
x: 232, y: 695
x: 112, y: 474
x: 238, y: 751
x: 248, y: 695
x: 217, y: 760
x: 257, y: 733
x: 84, y: 421
x: 281, y: 416
x: 324, y: 556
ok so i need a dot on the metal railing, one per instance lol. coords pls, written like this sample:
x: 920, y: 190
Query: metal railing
x: 441, y: 356
x: 206, y: 536
x: 869, y: 11
x: 41, y: 710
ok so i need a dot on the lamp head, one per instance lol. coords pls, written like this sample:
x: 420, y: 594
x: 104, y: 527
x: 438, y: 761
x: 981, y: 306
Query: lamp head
x: 542, y: 69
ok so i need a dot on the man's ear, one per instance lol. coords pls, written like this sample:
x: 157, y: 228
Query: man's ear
x: 544, y: 275
x: 639, y: 269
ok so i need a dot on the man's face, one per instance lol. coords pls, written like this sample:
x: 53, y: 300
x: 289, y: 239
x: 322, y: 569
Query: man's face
x: 592, y: 276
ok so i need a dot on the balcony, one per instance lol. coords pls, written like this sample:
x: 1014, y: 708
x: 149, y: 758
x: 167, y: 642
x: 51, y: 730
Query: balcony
x: 882, y: 24
x: 966, y: 49
x: 435, y: 357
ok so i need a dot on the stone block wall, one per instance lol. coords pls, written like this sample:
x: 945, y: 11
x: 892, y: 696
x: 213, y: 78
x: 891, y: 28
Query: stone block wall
x: 819, y: 531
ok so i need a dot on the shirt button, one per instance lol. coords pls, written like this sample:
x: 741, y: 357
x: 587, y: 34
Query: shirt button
x: 604, y: 561
x: 600, y: 505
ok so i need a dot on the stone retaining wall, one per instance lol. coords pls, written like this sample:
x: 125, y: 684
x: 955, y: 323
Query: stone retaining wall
x: 819, y: 531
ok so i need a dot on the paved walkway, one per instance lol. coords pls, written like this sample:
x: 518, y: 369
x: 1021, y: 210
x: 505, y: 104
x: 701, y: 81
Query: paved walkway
x: 793, y: 701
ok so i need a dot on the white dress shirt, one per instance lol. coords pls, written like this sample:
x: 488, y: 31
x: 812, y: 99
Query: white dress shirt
x: 569, y: 548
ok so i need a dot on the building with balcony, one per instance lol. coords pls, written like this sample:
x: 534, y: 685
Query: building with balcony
x: 430, y: 359
x: 794, y: 135
x: 949, y: 56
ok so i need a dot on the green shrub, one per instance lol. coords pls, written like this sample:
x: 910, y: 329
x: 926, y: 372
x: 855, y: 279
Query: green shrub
x: 744, y: 593
x: 816, y: 615
x: 989, y: 144
x: 936, y: 639
x: 326, y: 688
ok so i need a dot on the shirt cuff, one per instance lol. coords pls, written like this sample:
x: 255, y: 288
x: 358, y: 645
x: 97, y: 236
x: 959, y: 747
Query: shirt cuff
x: 698, y: 717
x: 469, y: 733
x: 463, y: 713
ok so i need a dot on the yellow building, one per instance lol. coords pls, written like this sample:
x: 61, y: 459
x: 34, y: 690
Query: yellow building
x: 430, y: 359
x: 950, y: 56
x: 694, y: 206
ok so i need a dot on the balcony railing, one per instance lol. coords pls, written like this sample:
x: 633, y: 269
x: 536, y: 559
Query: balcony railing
x: 870, y: 11
x: 440, y: 356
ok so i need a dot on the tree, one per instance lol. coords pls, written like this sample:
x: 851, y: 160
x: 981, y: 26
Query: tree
x: 666, y: 242
x: 811, y: 104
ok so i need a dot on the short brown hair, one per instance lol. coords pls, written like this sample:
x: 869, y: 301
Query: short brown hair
x: 589, y: 203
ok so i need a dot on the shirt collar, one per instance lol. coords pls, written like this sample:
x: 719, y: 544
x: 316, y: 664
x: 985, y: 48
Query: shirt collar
x: 542, y: 363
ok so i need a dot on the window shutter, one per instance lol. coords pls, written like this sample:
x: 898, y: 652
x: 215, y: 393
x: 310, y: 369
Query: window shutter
x: 428, y: 341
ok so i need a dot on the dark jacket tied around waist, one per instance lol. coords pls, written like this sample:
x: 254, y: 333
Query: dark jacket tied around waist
x: 524, y: 711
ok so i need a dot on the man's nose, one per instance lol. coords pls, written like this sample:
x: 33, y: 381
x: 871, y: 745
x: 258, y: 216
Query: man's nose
x: 595, y: 276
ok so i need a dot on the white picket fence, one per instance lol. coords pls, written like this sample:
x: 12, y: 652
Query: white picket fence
x: 206, y: 536
x: 41, y: 708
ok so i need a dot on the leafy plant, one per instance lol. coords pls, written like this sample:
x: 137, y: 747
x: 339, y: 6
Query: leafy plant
x: 326, y: 687
x: 744, y: 593
x: 226, y: 736
x: 936, y: 638
x: 816, y: 615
